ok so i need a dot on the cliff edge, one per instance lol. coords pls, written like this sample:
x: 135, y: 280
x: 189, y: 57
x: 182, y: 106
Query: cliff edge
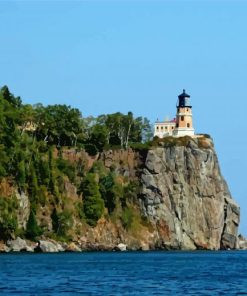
x: 187, y: 198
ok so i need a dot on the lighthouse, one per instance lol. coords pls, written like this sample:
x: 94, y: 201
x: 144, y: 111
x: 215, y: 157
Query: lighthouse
x: 184, y: 123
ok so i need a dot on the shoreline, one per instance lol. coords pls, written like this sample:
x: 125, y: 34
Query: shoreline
x: 19, y: 245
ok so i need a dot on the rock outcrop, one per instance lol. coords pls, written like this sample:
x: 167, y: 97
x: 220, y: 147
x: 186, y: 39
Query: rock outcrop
x: 49, y: 247
x: 242, y: 242
x: 20, y: 245
x: 186, y: 197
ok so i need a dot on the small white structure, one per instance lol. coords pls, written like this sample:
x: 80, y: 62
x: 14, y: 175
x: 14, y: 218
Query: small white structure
x: 164, y: 128
x: 180, y: 126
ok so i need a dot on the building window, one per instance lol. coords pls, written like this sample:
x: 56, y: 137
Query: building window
x: 157, y: 128
x: 162, y: 127
x: 173, y: 127
x: 182, y: 118
x: 166, y: 127
x: 188, y: 125
x: 177, y: 125
x: 187, y: 109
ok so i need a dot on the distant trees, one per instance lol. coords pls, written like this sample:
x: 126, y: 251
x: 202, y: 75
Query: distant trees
x: 62, y: 125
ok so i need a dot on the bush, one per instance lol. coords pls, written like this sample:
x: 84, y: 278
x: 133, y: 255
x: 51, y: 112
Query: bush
x: 127, y: 218
x: 8, y: 217
x: 171, y: 141
x: 66, y: 168
x: 130, y: 193
x: 141, y: 147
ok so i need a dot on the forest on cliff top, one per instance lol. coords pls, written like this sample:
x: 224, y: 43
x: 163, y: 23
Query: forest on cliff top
x: 32, y: 140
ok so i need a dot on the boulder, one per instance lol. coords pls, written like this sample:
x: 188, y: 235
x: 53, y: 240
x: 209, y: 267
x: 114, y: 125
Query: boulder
x: 121, y: 247
x: 49, y: 247
x: 242, y: 242
x: 18, y: 245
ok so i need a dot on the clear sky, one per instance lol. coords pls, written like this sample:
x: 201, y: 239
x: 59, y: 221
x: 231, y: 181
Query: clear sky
x: 108, y: 56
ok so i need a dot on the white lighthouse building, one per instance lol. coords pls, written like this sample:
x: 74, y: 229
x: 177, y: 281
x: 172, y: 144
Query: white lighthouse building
x: 180, y: 126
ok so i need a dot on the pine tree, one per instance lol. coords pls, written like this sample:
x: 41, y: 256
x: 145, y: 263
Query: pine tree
x: 93, y: 204
x: 21, y: 174
x: 32, y: 230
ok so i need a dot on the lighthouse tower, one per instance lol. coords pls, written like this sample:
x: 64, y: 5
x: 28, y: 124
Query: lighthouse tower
x: 184, y: 125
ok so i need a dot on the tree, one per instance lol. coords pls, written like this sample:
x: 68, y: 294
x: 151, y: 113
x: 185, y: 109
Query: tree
x: 33, y: 185
x: 93, y: 204
x: 99, y: 136
x: 59, y: 125
x: 32, y: 230
x: 53, y: 183
x: 61, y: 222
x: 21, y: 174
x: 110, y: 191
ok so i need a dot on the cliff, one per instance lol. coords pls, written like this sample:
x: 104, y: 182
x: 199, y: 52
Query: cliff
x: 170, y: 196
x: 186, y: 197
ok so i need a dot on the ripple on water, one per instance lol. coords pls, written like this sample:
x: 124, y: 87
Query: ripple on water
x: 129, y: 273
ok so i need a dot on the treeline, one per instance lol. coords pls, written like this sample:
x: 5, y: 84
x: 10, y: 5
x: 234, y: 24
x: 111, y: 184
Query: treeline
x: 30, y: 136
x: 62, y: 125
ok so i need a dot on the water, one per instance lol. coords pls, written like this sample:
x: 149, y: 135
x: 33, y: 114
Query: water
x: 130, y: 273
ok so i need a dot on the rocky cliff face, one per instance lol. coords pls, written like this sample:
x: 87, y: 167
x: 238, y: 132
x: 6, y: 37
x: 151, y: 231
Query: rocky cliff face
x: 183, y: 201
x: 187, y: 199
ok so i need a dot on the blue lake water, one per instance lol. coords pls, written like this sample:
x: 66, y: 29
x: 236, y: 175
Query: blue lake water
x: 129, y: 273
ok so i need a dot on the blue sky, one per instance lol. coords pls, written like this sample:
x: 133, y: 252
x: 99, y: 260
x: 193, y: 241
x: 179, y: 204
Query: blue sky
x: 108, y: 56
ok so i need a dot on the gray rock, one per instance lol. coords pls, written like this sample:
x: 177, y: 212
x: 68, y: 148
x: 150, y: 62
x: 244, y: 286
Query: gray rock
x: 23, y: 209
x: 49, y: 246
x: 188, y: 200
x: 18, y: 245
x: 121, y: 247
x: 242, y: 243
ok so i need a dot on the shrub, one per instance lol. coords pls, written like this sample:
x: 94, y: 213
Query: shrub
x: 8, y: 217
x: 130, y: 193
x: 66, y: 168
x: 127, y: 218
x: 171, y: 141
x: 141, y: 147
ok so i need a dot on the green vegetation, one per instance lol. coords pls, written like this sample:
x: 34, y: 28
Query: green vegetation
x: 170, y: 141
x: 93, y: 204
x: 34, y: 140
x: 61, y: 222
x: 8, y: 217
x: 32, y: 230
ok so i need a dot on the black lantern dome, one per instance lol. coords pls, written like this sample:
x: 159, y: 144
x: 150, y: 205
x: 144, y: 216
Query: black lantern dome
x: 184, y: 100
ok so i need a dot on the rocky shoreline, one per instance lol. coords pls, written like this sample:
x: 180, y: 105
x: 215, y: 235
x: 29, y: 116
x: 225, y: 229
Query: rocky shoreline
x: 52, y: 246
